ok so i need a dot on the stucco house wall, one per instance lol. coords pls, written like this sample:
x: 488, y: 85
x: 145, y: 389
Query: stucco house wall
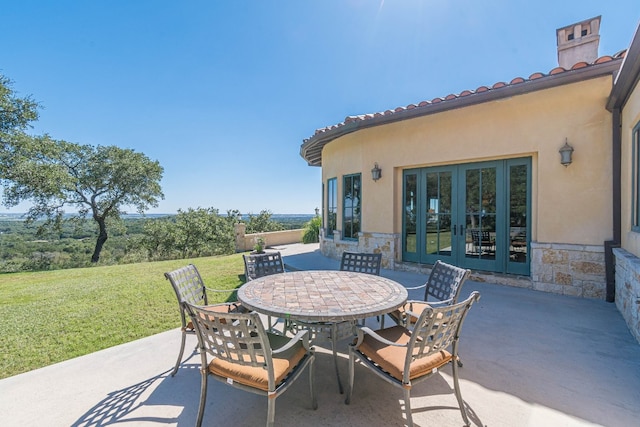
x: 570, y: 205
x: 627, y: 257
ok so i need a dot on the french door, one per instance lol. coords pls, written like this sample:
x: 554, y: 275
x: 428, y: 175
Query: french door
x: 473, y: 215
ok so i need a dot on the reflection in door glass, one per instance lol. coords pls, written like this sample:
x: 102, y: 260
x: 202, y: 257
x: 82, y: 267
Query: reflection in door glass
x: 480, y: 222
x: 410, y: 210
x: 518, y: 233
x: 438, y: 215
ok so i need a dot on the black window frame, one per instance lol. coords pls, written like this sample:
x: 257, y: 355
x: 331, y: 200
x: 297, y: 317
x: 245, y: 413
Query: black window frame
x: 331, y: 222
x: 351, y: 213
x: 635, y: 179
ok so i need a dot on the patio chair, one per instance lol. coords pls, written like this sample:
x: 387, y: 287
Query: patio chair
x: 482, y: 241
x: 243, y: 355
x: 404, y: 357
x: 361, y: 262
x: 444, y: 284
x: 259, y: 265
x: 189, y: 288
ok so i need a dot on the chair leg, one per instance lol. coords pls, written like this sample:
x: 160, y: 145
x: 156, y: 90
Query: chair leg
x: 184, y: 339
x: 312, y: 386
x: 352, y: 362
x: 271, y: 409
x: 334, y: 345
x: 203, y: 398
x: 407, y: 403
x: 456, y: 387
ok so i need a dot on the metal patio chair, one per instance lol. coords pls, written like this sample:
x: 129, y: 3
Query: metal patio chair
x: 236, y: 350
x: 444, y: 284
x: 259, y: 265
x: 189, y: 288
x: 404, y: 357
x: 361, y: 262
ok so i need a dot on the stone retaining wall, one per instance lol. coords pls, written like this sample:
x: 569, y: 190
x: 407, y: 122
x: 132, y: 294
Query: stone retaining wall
x: 245, y: 242
x: 577, y: 270
x: 628, y: 289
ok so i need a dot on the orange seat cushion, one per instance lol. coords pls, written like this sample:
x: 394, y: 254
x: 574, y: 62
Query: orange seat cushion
x: 391, y: 359
x: 415, y: 307
x: 222, y: 308
x: 257, y: 376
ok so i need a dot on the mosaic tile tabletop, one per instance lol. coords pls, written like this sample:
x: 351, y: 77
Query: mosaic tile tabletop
x: 322, y: 296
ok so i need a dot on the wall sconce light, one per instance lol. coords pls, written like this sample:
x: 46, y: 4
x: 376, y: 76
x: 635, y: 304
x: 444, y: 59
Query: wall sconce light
x: 376, y: 172
x: 565, y: 153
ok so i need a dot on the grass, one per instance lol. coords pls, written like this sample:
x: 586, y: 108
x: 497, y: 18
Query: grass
x: 48, y: 317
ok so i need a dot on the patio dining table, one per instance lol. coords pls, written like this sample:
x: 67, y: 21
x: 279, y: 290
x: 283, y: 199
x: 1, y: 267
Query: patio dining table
x: 324, y: 301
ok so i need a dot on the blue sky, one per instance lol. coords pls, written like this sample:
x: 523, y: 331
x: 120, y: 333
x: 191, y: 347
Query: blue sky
x: 223, y: 93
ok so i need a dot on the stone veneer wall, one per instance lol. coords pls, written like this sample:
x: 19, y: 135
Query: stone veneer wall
x: 576, y: 270
x: 628, y: 289
x: 367, y: 242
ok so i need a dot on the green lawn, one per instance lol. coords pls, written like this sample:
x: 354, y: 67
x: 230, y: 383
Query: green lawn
x: 48, y: 317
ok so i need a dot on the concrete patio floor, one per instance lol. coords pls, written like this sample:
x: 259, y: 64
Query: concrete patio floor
x: 530, y: 359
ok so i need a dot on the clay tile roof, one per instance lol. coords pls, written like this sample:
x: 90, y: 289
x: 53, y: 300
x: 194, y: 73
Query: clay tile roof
x: 603, y: 59
x: 557, y: 70
x: 453, y: 98
x: 579, y: 65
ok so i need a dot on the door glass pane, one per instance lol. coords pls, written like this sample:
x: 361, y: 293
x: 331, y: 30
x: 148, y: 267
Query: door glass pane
x: 332, y: 206
x: 438, y: 215
x: 351, y: 203
x: 410, y: 212
x: 518, y: 232
x: 480, y: 214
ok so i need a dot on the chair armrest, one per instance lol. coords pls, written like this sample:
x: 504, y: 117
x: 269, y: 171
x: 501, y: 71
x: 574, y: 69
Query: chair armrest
x: 413, y: 288
x: 362, y: 330
x: 300, y: 336
x: 219, y: 290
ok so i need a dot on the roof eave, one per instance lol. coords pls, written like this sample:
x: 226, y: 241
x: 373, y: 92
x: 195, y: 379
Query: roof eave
x: 628, y: 77
x: 311, y: 149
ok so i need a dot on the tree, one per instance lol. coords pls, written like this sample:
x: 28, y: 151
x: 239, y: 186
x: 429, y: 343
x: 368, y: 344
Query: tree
x: 262, y: 223
x: 99, y: 181
x: 15, y: 113
x: 191, y: 233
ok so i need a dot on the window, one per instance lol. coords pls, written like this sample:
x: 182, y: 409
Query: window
x: 635, y: 180
x: 352, y: 206
x: 332, y: 206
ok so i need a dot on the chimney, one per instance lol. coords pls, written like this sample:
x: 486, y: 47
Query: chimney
x: 578, y: 42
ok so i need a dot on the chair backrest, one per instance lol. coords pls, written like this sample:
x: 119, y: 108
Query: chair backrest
x: 238, y: 338
x: 259, y: 265
x: 188, y: 285
x: 361, y: 262
x: 436, y: 330
x: 445, y: 282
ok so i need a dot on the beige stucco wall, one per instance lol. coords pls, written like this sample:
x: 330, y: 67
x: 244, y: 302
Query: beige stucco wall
x: 630, y: 118
x: 570, y: 205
